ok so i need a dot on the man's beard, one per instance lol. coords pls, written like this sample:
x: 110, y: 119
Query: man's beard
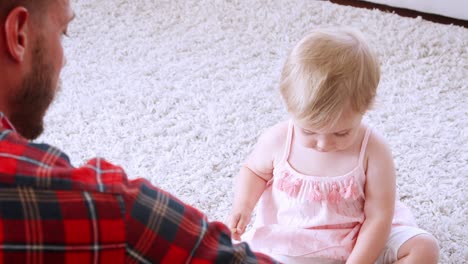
x: 34, y: 97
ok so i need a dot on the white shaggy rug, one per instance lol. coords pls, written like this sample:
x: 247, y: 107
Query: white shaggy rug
x: 177, y: 91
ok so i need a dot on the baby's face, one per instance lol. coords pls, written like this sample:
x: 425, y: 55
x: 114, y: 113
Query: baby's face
x: 338, y: 137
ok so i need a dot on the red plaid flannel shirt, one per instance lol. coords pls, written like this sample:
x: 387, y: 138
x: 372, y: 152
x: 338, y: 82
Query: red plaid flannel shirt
x: 51, y: 212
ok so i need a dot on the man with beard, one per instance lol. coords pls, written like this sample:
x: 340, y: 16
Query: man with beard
x: 51, y: 212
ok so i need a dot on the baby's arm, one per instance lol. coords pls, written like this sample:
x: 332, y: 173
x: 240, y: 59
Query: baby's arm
x: 379, y: 204
x: 252, y: 179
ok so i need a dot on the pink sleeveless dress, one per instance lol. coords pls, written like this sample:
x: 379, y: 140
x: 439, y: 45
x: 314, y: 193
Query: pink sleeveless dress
x: 313, y: 216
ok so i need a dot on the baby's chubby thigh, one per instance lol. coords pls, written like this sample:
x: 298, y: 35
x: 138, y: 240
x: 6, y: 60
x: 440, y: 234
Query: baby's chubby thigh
x: 398, y: 236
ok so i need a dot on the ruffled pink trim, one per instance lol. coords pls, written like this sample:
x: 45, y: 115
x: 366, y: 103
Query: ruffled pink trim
x: 316, y: 194
x: 289, y: 185
x: 334, y: 194
x: 345, y: 189
x: 350, y: 191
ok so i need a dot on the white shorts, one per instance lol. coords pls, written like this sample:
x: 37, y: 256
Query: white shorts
x: 398, y: 236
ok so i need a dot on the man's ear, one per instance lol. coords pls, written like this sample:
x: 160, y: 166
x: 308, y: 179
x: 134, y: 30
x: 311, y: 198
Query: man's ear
x: 17, y: 33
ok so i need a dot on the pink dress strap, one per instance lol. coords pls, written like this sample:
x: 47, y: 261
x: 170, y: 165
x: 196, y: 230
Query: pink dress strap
x: 287, y: 145
x: 364, y: 146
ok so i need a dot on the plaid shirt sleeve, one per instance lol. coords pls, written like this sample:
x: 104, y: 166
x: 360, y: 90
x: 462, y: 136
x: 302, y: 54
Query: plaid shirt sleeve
x: 51, y: 212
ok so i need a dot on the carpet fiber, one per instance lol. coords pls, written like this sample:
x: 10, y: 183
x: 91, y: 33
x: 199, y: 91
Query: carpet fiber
x: 178, y: 91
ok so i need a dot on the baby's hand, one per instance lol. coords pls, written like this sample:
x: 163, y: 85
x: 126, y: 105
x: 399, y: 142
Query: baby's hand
x: 237, y: 222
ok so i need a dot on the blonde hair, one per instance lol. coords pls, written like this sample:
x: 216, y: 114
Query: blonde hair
x: 326, y: 71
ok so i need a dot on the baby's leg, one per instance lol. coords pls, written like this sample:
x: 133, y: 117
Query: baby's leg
x: 408, y: 244
x: 419, y: 249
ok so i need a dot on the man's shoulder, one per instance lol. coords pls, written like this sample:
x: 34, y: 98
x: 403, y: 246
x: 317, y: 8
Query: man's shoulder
x: 14, y: 146
x: 40, y: 165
